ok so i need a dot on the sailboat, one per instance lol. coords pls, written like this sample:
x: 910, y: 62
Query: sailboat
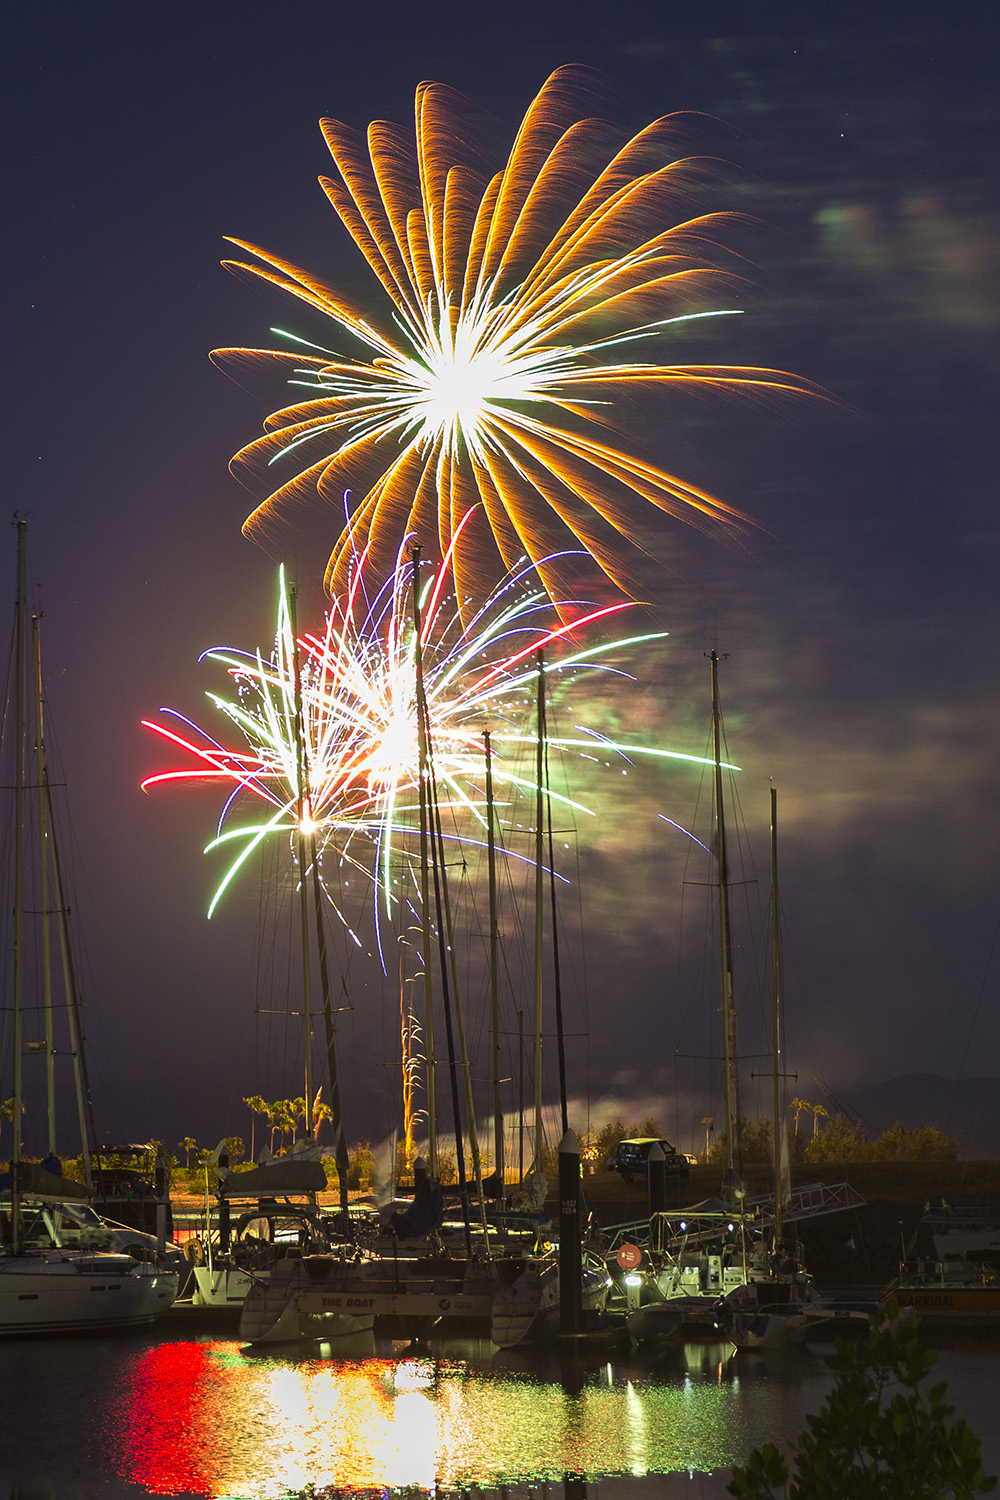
x: 412, y: 1282
x: 528, y: 1309
x: 277, y: 1216
x: 407, y: 1279
x: 781, y: 1307
x: 718, y: 1261
x: 784, y: 1306
x: 56, y: 1272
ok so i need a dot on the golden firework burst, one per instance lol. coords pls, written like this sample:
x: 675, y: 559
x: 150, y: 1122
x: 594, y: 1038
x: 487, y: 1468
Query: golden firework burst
x: 517, y: 301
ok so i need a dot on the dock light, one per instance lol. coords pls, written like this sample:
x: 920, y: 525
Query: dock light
x: 683, y: 1227
x: 633, y: 1294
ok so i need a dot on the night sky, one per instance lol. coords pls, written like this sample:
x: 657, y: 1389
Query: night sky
x: 860, y: 623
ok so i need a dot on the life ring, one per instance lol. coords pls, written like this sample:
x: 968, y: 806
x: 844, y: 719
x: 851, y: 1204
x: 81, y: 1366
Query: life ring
x: 194, y: 1251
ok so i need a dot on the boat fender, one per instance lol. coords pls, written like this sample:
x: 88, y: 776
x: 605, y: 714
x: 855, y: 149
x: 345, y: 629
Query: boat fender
x: 194, y: 1251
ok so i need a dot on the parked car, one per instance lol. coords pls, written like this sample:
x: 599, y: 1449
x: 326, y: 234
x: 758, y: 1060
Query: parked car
x: 631, y: 1158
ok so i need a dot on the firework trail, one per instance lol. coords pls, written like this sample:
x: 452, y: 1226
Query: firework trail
x: 516, y: 303
x: 329, y: 720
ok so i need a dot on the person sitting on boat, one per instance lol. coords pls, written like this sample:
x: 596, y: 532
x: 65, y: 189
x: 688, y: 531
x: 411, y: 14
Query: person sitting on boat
x: 426, y: 1212
x: 493, y: 1186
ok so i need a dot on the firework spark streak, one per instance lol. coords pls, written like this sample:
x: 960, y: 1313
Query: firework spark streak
x: 518, y: 301
x: 355, y: 687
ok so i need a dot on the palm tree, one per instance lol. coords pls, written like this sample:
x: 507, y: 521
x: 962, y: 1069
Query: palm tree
x: 321, y: 1112
x: 799, y: 1105
x: 297, y: 1111
x: 187, y: 1145
x: 282, y: 1117
x: 7, y: 1110
x: 257, y: 1106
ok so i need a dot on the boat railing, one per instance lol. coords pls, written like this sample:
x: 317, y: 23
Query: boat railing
x: 963, y: 1217
x: 812, y: 1200
x: 699, y: 1229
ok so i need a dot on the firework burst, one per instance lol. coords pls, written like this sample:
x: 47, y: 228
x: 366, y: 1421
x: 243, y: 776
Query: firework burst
x: 517, y: 302
x: 329, y: 720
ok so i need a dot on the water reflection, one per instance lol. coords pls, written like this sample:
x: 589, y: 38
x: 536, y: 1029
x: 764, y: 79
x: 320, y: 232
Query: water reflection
x: 201, y: 1418
x: 134, y: 1414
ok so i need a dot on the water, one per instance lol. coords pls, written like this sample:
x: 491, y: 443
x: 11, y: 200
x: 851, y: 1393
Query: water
x: 179, y: 1410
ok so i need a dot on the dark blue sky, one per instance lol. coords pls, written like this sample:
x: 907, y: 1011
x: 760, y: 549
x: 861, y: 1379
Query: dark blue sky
x: 862, y: 628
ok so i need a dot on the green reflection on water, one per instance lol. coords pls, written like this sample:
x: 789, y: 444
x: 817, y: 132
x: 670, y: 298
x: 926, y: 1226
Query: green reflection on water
x: 199, y: 1418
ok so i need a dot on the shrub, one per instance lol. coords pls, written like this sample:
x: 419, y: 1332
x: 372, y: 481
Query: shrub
x: 925, y: 1143
x: 609, y: 1139
x: 842, y: 1140
x: 845, y: 1140
x: 757, y: 1142
x: 871, y: 1441
x: 361, y: 1169
x: 447, y: 1168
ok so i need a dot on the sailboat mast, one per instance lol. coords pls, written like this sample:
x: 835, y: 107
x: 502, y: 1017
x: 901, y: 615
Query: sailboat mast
x: 302, y: 851
x: 491, y: 860
x: 20, y: 645
x: 308, y: 856
x: 459, y: 1014
x: 556, y: 970
x: 451, y: 995
x: 539, y: 890
x: 425, y: 895
x: 77, y: 1039
x: 340, y: 1152
x: 43, y: 889
x: 407, y: 1026
x: 53, y: 903
x: 444, y: 941
x: 734, y: 1119
x: 777, y: 1129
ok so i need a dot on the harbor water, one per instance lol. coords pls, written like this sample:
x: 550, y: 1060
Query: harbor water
x: 181, y: 1410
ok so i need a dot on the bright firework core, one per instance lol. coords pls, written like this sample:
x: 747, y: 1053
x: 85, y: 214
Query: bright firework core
x: 517, y: 305
x: 397, y: 745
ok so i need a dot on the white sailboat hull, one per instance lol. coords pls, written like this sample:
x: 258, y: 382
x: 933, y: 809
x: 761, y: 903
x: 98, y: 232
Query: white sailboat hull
x: 220, y: 1286
x: 77, y: 1295
x: 528, y: 1310
x: 343, y: 1299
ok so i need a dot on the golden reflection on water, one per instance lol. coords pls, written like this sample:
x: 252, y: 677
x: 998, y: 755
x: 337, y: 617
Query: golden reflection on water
x: 200, y: 1418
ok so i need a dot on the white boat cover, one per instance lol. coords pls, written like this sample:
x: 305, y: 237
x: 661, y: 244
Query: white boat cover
x: 36, y: 1183
x: 706, y: 1206
x: 286, y: 1174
